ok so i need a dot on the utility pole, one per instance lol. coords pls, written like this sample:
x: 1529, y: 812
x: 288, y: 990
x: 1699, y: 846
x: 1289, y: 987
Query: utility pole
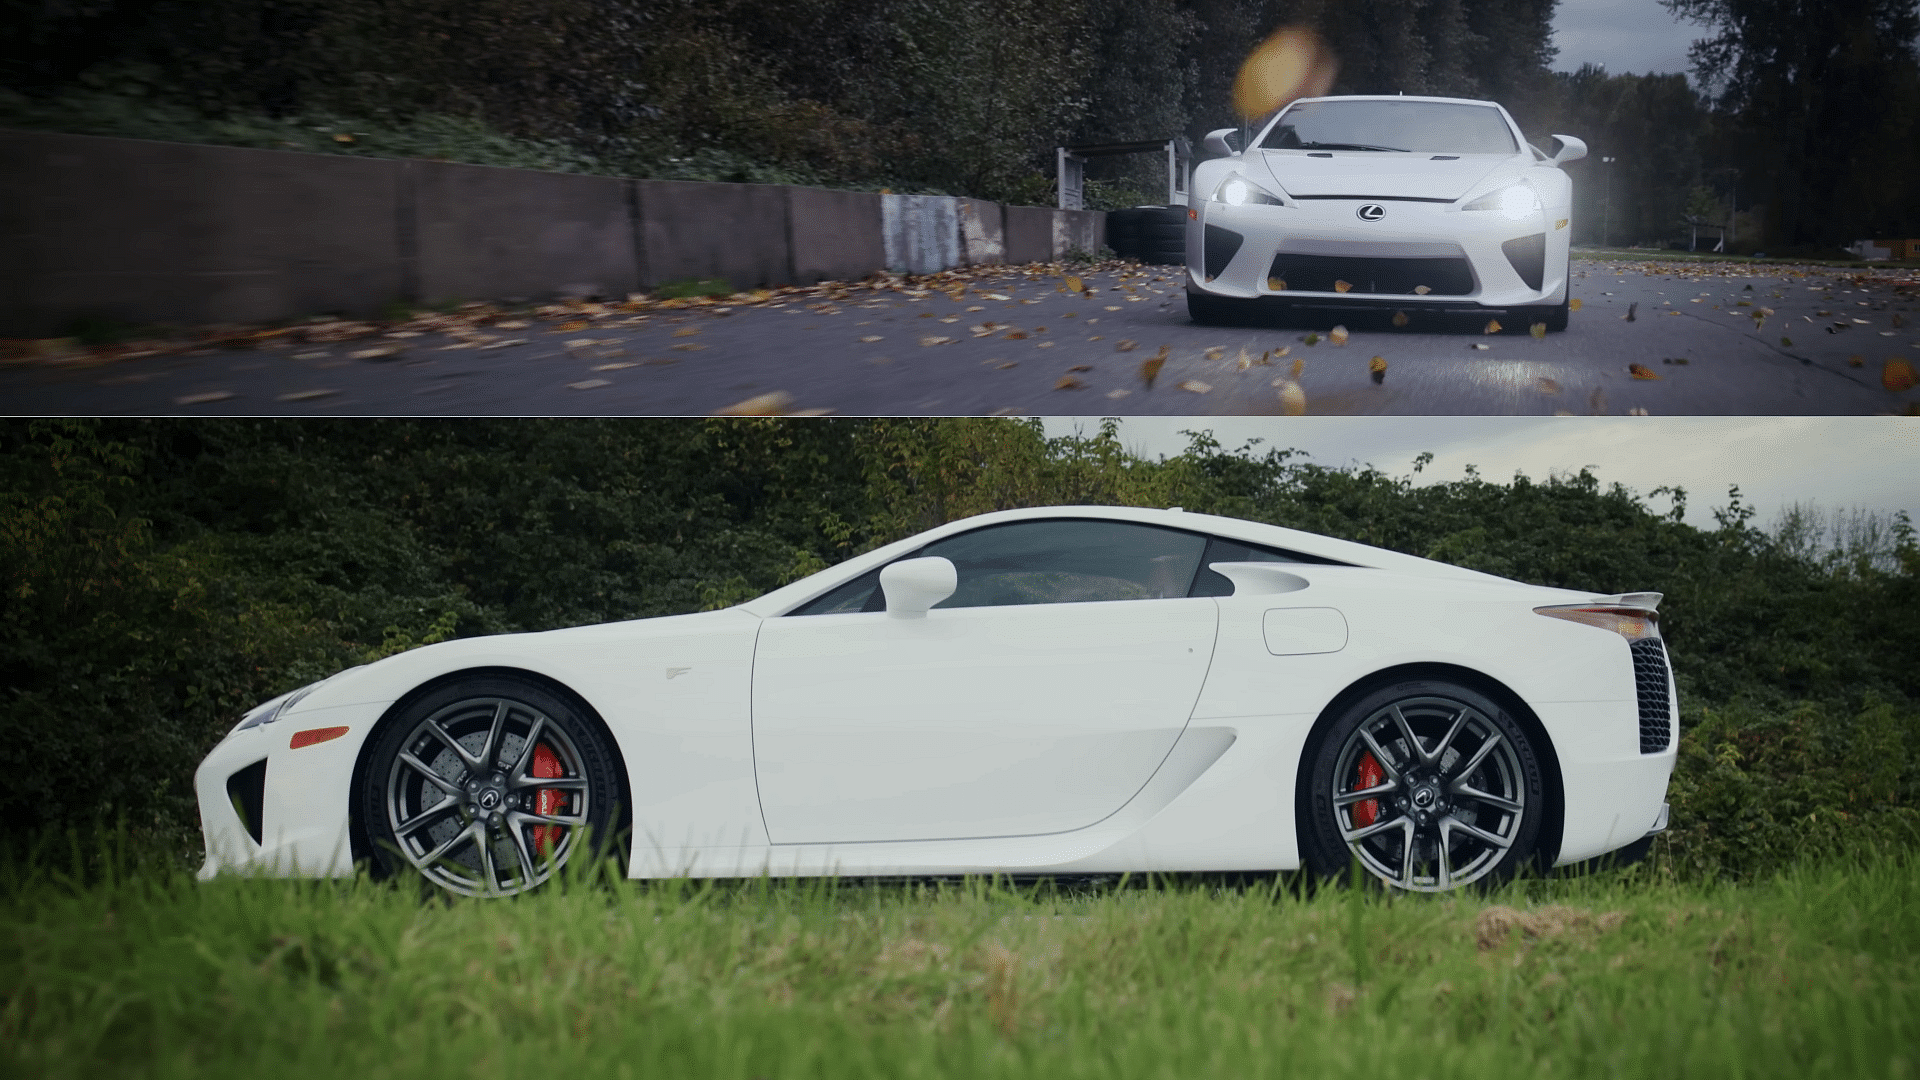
x: 1606, y: 214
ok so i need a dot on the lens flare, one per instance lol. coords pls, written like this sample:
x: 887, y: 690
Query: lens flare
x: 1293, y: 63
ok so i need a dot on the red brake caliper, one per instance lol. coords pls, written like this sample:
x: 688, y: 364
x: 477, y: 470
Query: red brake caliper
x: 1369, y: 774
x: 546, y: 800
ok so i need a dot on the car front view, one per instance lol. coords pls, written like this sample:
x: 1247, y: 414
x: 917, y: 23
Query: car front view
x: 1412, y: 204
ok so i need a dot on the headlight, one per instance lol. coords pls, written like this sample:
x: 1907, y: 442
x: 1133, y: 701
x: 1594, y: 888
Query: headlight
x: 1239, y: 191
x: 1516, y: 201
x: 272, y: 710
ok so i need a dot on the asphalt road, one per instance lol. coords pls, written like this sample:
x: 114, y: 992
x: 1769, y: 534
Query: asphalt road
x: 1016, y: 342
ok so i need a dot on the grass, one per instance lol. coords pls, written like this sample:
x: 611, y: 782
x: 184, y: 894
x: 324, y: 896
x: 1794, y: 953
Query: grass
x: 144, y: 972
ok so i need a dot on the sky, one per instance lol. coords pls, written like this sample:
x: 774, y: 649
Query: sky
x: 1835, y: 463
x: 1627, y: 37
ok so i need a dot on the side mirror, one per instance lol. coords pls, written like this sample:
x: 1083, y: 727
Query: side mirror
x: 1570, y: 149
x: 914, y: 585
x: 1216, y: 141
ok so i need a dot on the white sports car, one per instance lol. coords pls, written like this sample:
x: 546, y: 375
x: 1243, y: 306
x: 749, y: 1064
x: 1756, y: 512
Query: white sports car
x: 1062, y: 690
x: 1414, y: 204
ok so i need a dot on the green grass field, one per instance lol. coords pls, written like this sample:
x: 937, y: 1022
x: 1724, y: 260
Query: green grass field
x: 148, y: 973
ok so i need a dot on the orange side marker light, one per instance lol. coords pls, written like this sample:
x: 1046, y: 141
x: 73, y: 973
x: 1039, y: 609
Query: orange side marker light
x: 315, y: 735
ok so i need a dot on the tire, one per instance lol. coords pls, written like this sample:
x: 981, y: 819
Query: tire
x: 1555, y: 315
x: 1161, y: 232
x: 1456, y: 774
x: 462, y: 765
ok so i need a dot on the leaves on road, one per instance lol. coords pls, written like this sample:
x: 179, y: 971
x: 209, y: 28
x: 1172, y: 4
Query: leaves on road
x: 1399, y: 318
x: 385, y: 352
x: 929, y: 341
x: 1631, y: 310
x: 1337, y: 335
x: 868, y: 339
x: 1126, y: 345
x: 1421, y: 290
x: 1573, y: 304
x: 204, y: 399
x: 1641, y: 371
x: 588, y: 384
x: 1293, y: 400
x: 774, y: 403
x: 1547, y: 386
x: 1538, y: 330
x: 306, y: 395
x: 1150, y: 368
x: 1194, y: 386
x: 1376, y: 369
x: 1277, y: 284
x: 1493, y: 327
x: 1070, y: 382
x: 1897, y: 375
x: 1341, y: 286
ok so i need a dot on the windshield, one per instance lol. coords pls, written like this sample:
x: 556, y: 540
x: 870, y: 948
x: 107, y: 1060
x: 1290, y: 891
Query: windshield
x: 1424, y: 127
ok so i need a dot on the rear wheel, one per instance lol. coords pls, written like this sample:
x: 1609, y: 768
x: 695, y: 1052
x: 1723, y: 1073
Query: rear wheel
x: 488, y: 786
x: 1429, y: 785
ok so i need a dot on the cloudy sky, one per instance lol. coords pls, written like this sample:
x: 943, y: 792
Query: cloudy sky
x: 1627, y: 37
x: 1869, y: 463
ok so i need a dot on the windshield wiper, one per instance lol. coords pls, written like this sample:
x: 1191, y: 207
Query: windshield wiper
x: 1348, y: 146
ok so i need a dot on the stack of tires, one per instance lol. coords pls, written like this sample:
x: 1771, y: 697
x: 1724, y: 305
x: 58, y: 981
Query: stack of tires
x: 1152, y: 234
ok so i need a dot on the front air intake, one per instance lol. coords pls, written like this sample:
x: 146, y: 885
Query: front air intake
x: 1650, y: 689
x: 1221, y: 246
x: 1528, y: 255
x: 248, y: 791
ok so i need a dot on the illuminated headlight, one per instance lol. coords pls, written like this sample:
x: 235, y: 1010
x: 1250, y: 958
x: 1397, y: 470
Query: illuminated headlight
x: 1239, y: 191
x: 1515, y: 202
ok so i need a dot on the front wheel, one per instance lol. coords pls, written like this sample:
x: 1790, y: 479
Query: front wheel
x: 1429, y: 785
x: 487, y: 786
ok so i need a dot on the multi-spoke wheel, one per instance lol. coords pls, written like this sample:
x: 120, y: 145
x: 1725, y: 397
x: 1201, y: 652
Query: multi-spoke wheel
x: 1429, y: 785
x: 486, y: 787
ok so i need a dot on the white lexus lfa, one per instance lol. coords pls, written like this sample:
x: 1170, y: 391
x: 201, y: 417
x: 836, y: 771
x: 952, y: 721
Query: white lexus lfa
x: 1411, y: 204
x: 1054, y: 691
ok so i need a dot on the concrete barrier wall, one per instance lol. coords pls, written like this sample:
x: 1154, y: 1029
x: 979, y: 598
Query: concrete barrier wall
x: 490, y: 232
x: 156, y: 232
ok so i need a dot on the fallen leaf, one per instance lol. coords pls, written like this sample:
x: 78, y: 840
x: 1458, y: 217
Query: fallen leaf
x: 691, y: 346
x: 511, y: 324
x: 623, y: 365
x: 1016, y: 335
x: 869, y: 339
x: 588, y: 384
x: 1399, y: 318
x: 386, y: 352
x: 1641, y: 371
x: 1044, y: 345
x: 1069, y: 382
x: 1341, y: 286
x: 1631, y: 309
x: 1277, y: 284
x: 1573, y: 304
x: 1493, y: 327
x: 935, y: 340
x: 1547, y: 386
x: 1282, y: 351
x: 1480, y: 347
x: 686, y: 331
x: 1421, y: 290
x: 1081, y: 367
x: 1293, y: 400
x: 1004, y: 296
x: 1299, y: 365
x: 321, y: 355
x: 1311, y: 338
x: 204, y: 399
x: 1007, y: 364
x: 1538, y: 330
x: 1194, y: 386
x: 1113, y: 307
x: 1897, y: 375
x: 975, y: 307
x: 1126, y: 345
x: 1216, y: 352
x: 769, y: 404
x: 1116, y: 395
x: 1856, y: 360
x: 1337, y: 335
x: 306, y: 395
x: 1150, y: 368
x: 507, y: 344
x: 570, y: 327
x: 1074, y: 284
x: 1787, y: 342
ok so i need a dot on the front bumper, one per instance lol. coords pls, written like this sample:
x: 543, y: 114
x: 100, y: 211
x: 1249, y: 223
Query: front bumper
x: 1467, y: 260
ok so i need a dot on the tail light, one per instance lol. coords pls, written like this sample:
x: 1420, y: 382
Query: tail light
x: 1631, y: 615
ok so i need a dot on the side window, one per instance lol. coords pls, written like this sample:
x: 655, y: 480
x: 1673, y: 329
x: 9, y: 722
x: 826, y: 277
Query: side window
x: 1068, y: 561
x: 860, y: 594
x: 1211, y: 583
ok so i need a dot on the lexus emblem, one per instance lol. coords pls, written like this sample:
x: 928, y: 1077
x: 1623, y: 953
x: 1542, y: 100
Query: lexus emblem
x: 1372, y: 211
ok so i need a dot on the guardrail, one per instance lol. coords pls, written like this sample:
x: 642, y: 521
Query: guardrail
x: 159, y: 232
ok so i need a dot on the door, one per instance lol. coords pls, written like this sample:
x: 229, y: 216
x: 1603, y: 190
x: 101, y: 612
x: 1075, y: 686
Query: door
x: 1036, y: 699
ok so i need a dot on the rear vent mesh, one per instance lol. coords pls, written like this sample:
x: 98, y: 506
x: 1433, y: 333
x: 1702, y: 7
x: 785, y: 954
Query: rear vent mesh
x: 1650, y: 685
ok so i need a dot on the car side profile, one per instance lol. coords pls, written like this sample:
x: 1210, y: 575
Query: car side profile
x: 1413, y: 204
x: 1056, y: 690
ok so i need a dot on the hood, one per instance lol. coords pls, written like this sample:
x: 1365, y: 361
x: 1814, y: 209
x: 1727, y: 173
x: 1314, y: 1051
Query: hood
x: 1376, y: 175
